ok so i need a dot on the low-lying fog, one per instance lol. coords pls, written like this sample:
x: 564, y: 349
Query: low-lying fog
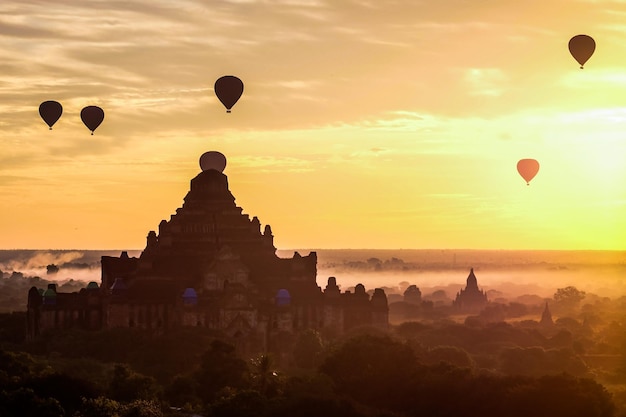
x: 79, y: 265
x: 606, y: 282
x: 503, y: 274
x: 506, y: 274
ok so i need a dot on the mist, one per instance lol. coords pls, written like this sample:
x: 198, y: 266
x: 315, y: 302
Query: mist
x: 79, y: 265
x: 606, y: 282
x: 504, y: 274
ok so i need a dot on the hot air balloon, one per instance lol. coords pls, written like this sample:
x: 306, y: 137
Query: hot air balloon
x: 228, y: 89
x: 582, y: 47
x: 213, y: 160
x: 92, y: 116
x: 528, y: 168
x: 50, y: 111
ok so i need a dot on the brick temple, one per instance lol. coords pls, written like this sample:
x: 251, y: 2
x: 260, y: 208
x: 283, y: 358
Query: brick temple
x: 209, y: 266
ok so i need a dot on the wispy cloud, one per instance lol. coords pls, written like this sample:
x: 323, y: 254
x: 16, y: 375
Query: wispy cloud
x: 485, y: 81
x: 272, y: 164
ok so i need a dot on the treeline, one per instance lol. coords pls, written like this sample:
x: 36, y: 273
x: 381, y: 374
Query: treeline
x: 14, y: 289
x: 123, y: 372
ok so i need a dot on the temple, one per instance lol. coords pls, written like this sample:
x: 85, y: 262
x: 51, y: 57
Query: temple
x: 470, y: 299
x: 546, y: 317
x: 209, y: 266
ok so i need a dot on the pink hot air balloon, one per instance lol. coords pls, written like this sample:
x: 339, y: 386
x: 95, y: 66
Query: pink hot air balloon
x: 228, y: 89
x: 582, y: 47
x: 213, y: 160
x: 528, y: 168
x: 92, y: 116
x: 50, y: 111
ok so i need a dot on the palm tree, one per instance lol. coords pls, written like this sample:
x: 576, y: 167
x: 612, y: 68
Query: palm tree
x: 264, y: 375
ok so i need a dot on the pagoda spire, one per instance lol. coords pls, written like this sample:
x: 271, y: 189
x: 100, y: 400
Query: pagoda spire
x: 546, y: 316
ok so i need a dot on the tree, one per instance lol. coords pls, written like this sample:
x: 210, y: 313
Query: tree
x: 141, y: 408
x: 264, y: 376
x: 558, y: 395
x: 105, y: 407
x: 24, y: 402
x: 220, y: 368
x: 182, y: 392
x: 450, y: 354
x: 127, y: 385
x: 371, y: 369
x: 307, y: 349
x: 535, y: 361
x: 99, y: 407
x: 374, y: 261
x: 67, y: 390
x: 569, y: 297
x: 246, y: 403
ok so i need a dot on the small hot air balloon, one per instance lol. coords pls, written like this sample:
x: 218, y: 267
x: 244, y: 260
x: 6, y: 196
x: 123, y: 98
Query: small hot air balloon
x: 528, y: 168
x: 228, y: 89
x: 213, y: 160
x: 582, y: 47
x: 50, y: 111
x: 92, y: 116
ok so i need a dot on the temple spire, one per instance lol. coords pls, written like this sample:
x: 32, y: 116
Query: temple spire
x: 546, y: 316
x: 472, y: 282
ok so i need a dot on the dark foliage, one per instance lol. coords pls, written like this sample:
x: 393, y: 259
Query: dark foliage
x: 24, y: 402
x: 12, y: 328
x: 220, y: 368
x: 383, y: 373
x: 371, y: 369
x: 68, y: 391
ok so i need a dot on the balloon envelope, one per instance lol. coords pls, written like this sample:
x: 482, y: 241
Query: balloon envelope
x: 228, y: 89
x: 92, y: 116
x: 528, y: 168
x: 50, y: 111
x: 582, y: 47
x: 213, y: 160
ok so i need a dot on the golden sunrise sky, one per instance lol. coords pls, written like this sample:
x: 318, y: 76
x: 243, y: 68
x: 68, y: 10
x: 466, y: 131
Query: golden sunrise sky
x: 363, y: 124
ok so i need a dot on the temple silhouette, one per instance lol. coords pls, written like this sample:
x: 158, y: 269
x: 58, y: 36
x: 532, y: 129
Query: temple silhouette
x: 209, y: 266
x: 470, y: 299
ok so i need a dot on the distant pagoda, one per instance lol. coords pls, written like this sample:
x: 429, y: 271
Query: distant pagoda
x: 471, y: 299
x: 546, y: 317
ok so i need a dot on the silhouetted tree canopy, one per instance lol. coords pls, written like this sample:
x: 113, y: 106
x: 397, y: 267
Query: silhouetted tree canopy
x: 382, y: 373
x: 24, y: 402
x: 127, y: 385
x: 307, y: 349
x: 220, y: 368
x: 569, y: 297
x: 371, y: 369
x: 536, y: 361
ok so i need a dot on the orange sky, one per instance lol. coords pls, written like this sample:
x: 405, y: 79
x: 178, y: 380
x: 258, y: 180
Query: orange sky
x: 363, y: 124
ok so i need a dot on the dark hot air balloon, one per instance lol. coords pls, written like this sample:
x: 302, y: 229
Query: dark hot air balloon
x: 528, y: 168
x: 582, y: 47
x: 213, y: 160
x: 50, y: 111
x: 92, y: 116
x: 228, y: 89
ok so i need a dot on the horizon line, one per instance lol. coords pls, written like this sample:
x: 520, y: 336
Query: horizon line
x: 346, y: 249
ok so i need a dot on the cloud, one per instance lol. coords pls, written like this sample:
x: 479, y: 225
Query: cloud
x: 272, y: 164
x: 489, y: 82
x: 591, y: 80
x: 131, y: 56
x: 9, y: 180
